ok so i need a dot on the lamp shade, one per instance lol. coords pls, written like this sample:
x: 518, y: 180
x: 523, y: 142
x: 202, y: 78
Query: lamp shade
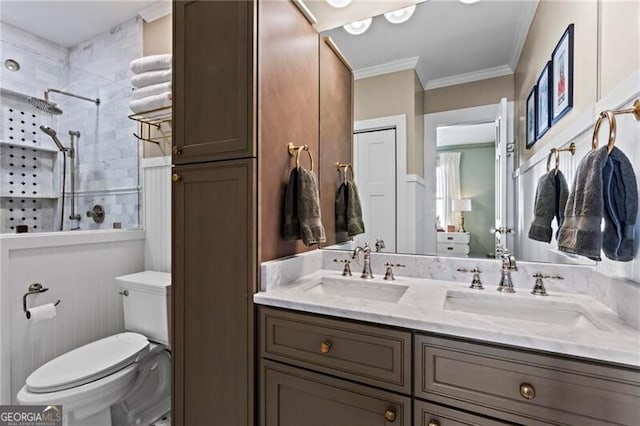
x: 461, y: 205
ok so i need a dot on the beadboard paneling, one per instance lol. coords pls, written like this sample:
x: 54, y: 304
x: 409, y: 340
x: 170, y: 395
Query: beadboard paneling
x: 157, y: 213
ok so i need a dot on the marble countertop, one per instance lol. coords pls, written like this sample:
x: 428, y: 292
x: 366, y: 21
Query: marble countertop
x: 563, y: 323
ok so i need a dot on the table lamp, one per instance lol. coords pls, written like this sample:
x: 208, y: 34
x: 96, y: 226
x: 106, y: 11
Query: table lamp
x: 461, y: 205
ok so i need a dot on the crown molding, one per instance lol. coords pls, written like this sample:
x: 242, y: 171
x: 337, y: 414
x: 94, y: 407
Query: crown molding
x: 469, y: 77
x: 527, y: 13
x: 386, y: 68
x: 156, y: 11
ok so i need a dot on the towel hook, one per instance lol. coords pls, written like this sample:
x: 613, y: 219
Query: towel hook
x: 297, y: 150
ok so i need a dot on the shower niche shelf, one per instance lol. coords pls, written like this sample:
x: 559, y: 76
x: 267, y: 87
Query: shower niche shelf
x: 33, y: 148
x: 154, y: 126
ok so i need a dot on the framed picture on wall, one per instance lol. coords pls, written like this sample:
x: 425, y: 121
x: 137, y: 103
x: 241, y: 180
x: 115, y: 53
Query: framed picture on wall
x: 562, y: 81
x: 543, y: 102
x: 531, y: 117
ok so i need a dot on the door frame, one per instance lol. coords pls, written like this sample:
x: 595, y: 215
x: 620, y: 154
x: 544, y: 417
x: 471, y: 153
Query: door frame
x: 399, y: 122
x: 473, y: 115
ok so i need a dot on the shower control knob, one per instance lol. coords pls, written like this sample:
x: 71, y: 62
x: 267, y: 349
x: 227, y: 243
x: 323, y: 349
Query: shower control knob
x: 176, y: 177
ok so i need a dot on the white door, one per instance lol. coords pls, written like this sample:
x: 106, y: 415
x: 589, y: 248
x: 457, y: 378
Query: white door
x: 375, y: 174
x: 501, y: 224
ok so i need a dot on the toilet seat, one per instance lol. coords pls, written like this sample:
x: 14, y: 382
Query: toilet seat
x: 88, y: 363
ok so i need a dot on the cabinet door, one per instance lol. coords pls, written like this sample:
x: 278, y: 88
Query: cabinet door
x: 212, y: 80
x: 214, y: 276
x: 294, y: 397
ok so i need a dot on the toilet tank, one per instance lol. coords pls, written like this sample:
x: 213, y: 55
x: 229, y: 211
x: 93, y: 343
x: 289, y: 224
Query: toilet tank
x: 146, y: 298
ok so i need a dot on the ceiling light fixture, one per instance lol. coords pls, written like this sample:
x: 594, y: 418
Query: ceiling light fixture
x: 338, y: 3
x: 469, y: 1
x: 358, y: 27
x: 401, y: 15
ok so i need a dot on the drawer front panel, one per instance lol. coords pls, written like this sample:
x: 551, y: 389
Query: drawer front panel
x: 368, y: 354
x: 296, y: 397
x: 453, y: 237
x: 553, y: 389
x: 453, y: 248
x: 427, y: 414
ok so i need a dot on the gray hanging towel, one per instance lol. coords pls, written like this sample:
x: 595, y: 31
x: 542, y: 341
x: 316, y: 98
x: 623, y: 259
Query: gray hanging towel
x: 308, y: 202
x: 355, y: 224
x: 620, y: 193
x: 551, y: 198
x: 291, y: 224
x: 545, y: 208
x: 341, y: 208
x: 581, y: 231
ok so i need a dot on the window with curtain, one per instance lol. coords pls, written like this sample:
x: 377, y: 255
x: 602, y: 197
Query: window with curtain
x: 447, y: 187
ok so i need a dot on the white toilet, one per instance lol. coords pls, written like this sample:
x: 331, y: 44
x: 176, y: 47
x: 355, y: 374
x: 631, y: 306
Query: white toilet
x: 124, y: 379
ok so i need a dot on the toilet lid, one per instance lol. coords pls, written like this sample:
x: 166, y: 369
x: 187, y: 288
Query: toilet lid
x: 88, y: 363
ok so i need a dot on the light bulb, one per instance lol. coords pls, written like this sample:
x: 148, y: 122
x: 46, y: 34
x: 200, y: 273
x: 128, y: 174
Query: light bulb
x: 401, y: 15
x: 338, y: 3
x: 358, y: 27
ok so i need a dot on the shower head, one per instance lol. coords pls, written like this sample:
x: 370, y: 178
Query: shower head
x: 53, y: 135
x: 45, y: 105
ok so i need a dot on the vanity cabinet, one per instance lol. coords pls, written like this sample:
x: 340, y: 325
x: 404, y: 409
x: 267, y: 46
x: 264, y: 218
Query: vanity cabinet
x: 213, y: 80
x: 312, y: 365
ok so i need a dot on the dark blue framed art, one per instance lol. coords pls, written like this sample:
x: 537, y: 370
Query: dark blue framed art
x: 531, y: 104
x: 562, y: 77
x: 543, y: 101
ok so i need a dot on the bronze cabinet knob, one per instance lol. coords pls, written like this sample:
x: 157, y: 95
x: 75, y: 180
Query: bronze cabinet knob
x: 390, y: 416
x: 325, y: 347
x: 433, y: 422
x: 176, y: 150
x: 176, y: 177
x: 527, y: 391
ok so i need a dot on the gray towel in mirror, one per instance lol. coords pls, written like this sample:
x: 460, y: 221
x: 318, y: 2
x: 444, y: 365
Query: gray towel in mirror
x: 551, y: 198
x: 308, y: 205
x: 581, y: 231
x: 349, y: 210
x: 620, y: 193
x: 291, y: 225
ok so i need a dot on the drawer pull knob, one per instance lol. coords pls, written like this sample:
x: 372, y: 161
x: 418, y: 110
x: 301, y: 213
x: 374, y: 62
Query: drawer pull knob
x: 433, y: 423
x: 176, y: 177
x: 527, y: 391
x: 176, y: 150
x: 325, y: 347
x: 390, y: 416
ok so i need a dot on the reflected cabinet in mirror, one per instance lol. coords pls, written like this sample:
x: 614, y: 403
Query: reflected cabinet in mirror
x: 439, y: 147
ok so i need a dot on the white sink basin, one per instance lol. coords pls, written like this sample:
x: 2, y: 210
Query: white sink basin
x: 552, y: 313
x: 358, y: 288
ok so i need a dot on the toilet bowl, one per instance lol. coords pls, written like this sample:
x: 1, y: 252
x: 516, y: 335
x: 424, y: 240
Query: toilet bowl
x: 122, y: 379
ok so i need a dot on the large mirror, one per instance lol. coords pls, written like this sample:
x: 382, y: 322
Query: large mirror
x: 439, y: 123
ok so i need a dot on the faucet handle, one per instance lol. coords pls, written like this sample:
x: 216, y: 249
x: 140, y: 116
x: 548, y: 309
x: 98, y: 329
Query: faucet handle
x: 476, y: 283
x: 388, y: 275
x: 538, y: 288
x: 346, y: 272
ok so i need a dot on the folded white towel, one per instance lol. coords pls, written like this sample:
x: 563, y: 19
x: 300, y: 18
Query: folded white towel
x: 154, y: 89
x: 150, y: 103
x: 151, y: 63
x: 149, y: 78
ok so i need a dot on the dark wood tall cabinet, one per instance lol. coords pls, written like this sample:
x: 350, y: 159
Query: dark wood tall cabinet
x: 214, y: 254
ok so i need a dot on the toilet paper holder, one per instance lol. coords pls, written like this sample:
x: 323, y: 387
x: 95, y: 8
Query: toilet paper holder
x: 34, y: 288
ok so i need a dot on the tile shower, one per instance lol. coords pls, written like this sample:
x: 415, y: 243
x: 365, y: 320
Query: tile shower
x: 107, y: 160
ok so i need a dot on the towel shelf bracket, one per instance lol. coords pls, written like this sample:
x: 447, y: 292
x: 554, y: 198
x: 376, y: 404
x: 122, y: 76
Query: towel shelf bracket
x: 154, y: 126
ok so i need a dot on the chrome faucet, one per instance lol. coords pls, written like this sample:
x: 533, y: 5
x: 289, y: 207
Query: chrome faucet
x: 379, y: 245
x: 366, y: 268
x: 508, y: 265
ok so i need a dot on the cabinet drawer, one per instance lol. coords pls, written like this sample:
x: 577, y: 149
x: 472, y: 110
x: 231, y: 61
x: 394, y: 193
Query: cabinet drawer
x: 453, y: 237
x: 373, y: 355
x: 558, y: 390
x: 296, y: 397
x: 453, y: 248
x: 427, y: 414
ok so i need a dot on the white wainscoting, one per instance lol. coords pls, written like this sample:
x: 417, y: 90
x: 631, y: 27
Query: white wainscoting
x: 157, y: 213
x: 79, y: 269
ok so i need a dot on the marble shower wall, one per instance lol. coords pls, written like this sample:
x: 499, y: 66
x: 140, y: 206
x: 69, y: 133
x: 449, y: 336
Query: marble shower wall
x: 107, y: 161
